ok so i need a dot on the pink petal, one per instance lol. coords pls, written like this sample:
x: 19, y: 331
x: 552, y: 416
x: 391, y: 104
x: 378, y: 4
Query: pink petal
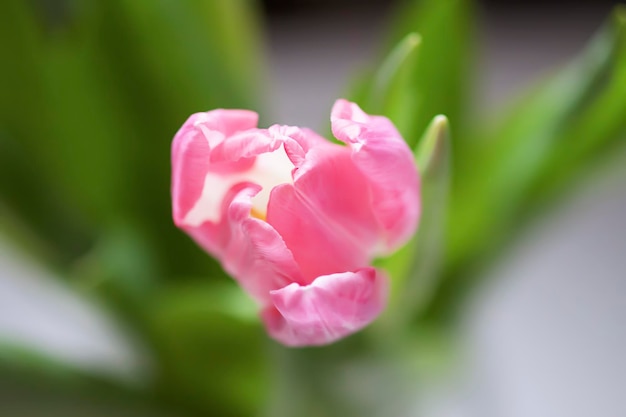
x: 250, y: 249
x: 325, y: 217
x: 191, y: 151
x: 384, y: 158
x: 332, y: 307
x: 214, y: 155
x: 245, y: 144
x: 207, y: 163
x: 298, y: 141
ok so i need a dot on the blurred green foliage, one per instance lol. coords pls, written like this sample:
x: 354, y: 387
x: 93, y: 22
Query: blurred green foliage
x: 90, y: 104
x: 93, y: 92
x: 436, y: 77
x: 503, y: 172
x: 514, y: 168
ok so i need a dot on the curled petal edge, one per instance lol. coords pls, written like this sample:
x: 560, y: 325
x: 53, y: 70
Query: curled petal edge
x: 330, y: 308
x: 249, y: 249
x: 191, y: 153
x: 376, y: 147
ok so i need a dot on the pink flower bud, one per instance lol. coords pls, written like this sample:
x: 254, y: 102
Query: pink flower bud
x: 296, y: 219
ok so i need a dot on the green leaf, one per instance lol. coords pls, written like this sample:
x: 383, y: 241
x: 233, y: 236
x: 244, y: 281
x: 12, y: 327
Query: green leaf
x: 27, y: 191
x: 211, y: 348
x: 439, y: 82
x: 33, y: 383
x: 596, y: 130
x: 44, y: 390
x: 92, y: 103
x: 493, y: 181
x: 390, y: 93
x: 121, y: 261
x: 550, y: 138
x: 415, y: 268
x: 172, y: 59
x: 431, y: 155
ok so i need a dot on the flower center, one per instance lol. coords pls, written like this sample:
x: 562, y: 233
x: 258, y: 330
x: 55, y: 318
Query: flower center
x: 269, y: 170
x: 257, y: 214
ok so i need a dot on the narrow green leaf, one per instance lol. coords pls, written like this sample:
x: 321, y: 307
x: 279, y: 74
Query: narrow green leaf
x: 597, y: 129
x: 430, y: 156
x: 391, y: 67
x: 493, y: 181
x: 439, y: 83
x: 547, y: 140
x: 415, y: 268
x: 390, y: 94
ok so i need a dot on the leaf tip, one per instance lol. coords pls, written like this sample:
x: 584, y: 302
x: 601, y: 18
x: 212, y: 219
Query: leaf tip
x: 620, y: 14
x: 413, y: 40
x: 440, y: 123
x: 432, y: 145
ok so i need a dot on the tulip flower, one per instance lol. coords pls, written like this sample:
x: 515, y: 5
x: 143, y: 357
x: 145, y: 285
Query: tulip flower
x: 295, y: 219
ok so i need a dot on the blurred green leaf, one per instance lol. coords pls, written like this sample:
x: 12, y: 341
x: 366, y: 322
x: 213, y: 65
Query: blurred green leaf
x: 432, y: 152
x: 439, y: 82
x: 211, y: 347
x: 34, y: 384
x: 27, y: 190
x: 24, y: 237
x: 36, y: 394
x: 210, y: 353
x: 596, y: 130
x: 204, y: 55
x: 15, y: 355
x: 415, y: 268
x: 90, y: 108
x: 390, y: 93
x: 547, y: 140
x: 121, y: 260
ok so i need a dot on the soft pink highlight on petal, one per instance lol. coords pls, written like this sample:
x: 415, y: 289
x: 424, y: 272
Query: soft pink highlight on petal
x: 250, y: 249
x: 297, y: 141
x: 326, y: 217
x: 254, y: 253
x: 190, y: 163
x: 246, y: 144
x: 385, y: 159
x: 332, y: 307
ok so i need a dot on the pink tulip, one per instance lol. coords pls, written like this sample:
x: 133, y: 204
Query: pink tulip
x: 296, y: 219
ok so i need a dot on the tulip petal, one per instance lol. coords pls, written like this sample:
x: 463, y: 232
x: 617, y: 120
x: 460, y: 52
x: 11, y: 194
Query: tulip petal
x: 325, y: 217
x: 250, y: 250
x: 220, y: 163
x: 191, y: 151
x: 384, y: 158
x: 207, y: 163
x: 332, y: 307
